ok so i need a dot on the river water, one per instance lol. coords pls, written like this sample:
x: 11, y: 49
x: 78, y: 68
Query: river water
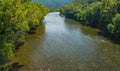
x: 62, y: 44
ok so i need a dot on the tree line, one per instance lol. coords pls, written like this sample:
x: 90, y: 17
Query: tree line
x: 17, y: 18
x: 103, y: 14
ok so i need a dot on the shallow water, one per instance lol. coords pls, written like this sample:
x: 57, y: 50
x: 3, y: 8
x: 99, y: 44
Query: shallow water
x: 62, y: 44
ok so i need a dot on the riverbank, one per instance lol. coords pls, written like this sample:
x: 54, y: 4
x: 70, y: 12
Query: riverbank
x: 102, y: 31
x: 17, y: 18
x: 103, y: 14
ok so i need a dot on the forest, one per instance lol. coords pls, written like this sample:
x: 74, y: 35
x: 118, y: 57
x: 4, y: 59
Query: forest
x: 103, y: 14
x: 17, y: 18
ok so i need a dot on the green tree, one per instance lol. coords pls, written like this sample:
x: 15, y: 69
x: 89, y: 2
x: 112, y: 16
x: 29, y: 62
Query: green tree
x: 114, y: 27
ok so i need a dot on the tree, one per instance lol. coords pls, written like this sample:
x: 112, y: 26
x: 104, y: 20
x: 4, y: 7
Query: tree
x: 114, y: 27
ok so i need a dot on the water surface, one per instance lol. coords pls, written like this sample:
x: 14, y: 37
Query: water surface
x: 62, y: 44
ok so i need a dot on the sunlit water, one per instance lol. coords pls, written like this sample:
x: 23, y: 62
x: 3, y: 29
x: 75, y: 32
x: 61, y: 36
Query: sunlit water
x: 62, y: 44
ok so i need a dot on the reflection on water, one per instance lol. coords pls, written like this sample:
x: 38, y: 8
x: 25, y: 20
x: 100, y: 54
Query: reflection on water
x: 61, y: 45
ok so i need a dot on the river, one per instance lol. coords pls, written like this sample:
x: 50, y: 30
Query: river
x: 62, y: 44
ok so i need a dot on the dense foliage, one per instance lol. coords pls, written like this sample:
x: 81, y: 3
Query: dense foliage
x: 104, y: 14
x: 114, y: 27
x: 16, y: 18
x: 53, y: 3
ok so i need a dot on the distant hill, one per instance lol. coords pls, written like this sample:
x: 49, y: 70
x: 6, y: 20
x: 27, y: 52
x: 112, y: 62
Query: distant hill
x: 85, y: 1
x: 54, y: 3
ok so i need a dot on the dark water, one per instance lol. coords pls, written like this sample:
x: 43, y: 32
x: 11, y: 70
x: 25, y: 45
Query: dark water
x: 62, y: 44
